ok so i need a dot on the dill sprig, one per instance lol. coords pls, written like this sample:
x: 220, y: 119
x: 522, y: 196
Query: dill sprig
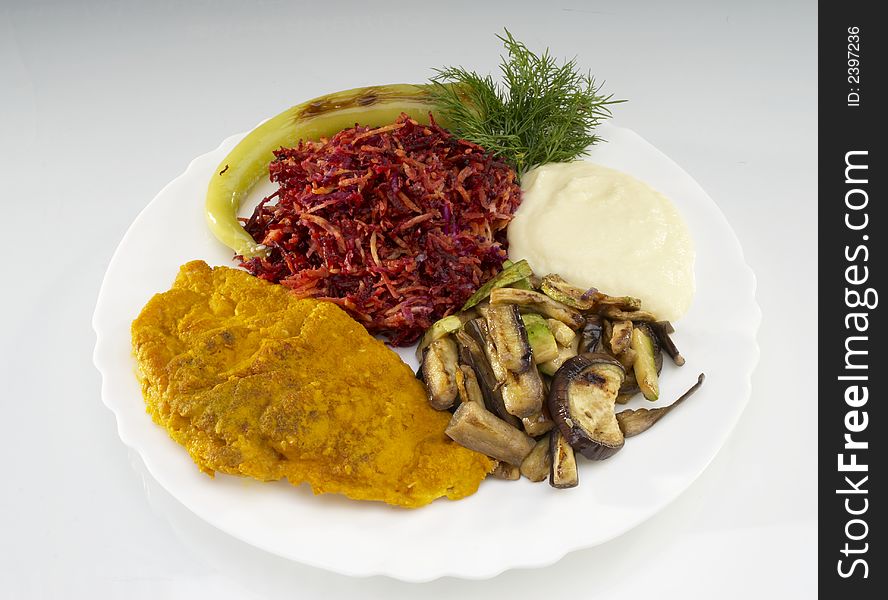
x: 542, y: 112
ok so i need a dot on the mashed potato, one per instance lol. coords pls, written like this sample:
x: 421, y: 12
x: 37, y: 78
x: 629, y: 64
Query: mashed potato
x: 597, y: 227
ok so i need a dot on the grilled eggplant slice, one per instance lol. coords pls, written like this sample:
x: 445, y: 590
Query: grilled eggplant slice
x: 540, y: 303
x: 581, y: 402
x: 615, y: 314
x: 620, y: 337
x: 627, y: 358
x: 645, y: 345
x: 563, y: 471
x: 663, y: 329
x: 630, y: 385
x: 538, y: 463
x: 624, y: 398
x: 439, y: 366
x: 666, y: 326
x: 477, y: 328
x: 558, y: 289
x: 538, y: 424
x: 564, y: 335
x: 635, y: 421
x: 471, y: 354
x: 506, y: 471
x: 508, y: 334
x: 515, y: 272
x: 467, y: 386
x: 626, y: 303
x: 591, y: 335
x: 439, y: 329
x: 478, y: 429
x: 523, y: 393
x: 564, y: 353
x: 542, y: 341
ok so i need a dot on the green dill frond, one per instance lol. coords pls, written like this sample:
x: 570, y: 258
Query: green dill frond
x: 541, y: 112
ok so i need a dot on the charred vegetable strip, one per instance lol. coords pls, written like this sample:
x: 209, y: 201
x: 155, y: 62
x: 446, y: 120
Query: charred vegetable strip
x: 558, y: 289
x: 620, y: 337
x: 478, y: 429
x: 491, y: 374
x: 516, y: 272
x: 439, y: 329
x: 478, y: 329
x: 627, y: 303
x: 624, y: 398
x: 510, y: 337
x: 628, y: 358
x: 521, y: 284
x: 471, y: 354
x: 539, y: 423
x: 645, y: 367
x: 325, y: 116
x: 663, y: 329
x: 540, y: 303
x: 540, y: 337
x: 563, y: 471
x: 481, y: 308
x: 506, y: 471
x: 615, y: 314
x: 635, y: 421
x: 591, y: 335
x: 564, y: 335
x: 439, y: 368
x: 467, y: 385
x: 523, y: 394
x: 537, y: 464
x: 564, y: 353
x: 630, y: 385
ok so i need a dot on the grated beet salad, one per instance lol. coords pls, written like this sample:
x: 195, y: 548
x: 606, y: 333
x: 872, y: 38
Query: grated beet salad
x: 398, y: 224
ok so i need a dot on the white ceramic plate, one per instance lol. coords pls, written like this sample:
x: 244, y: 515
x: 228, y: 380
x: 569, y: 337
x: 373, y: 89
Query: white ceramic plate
x: 484, y: 534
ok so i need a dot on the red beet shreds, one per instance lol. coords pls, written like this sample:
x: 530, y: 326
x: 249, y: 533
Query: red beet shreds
x: 396, y: 224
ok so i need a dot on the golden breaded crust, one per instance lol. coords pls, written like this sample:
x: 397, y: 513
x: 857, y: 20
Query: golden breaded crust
x: 255, y: 382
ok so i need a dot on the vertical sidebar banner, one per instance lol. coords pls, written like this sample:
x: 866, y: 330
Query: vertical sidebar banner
x: 852, y: 370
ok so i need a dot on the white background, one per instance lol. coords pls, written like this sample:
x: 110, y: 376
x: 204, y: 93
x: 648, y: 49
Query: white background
x: 102, y: 103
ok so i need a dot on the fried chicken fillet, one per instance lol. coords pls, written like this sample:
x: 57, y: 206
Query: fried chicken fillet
x: 254, y: 382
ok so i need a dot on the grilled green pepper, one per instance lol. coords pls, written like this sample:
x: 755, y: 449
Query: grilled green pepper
x: 325, y: 116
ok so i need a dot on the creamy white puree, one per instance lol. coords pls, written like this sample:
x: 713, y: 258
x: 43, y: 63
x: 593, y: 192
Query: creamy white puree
x: 597, y: 227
